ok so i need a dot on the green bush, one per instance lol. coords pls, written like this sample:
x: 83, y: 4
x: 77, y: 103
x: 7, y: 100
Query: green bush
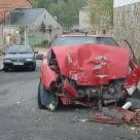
x: 43, y: 44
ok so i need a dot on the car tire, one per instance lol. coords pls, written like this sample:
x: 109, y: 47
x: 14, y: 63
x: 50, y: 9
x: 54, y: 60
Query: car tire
x: 40, y: 89
x: 46, y: 100
x: 5, y: 69
x: 33, y: 68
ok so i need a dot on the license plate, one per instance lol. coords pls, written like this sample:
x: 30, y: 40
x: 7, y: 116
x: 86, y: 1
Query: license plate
x: 18, y: 63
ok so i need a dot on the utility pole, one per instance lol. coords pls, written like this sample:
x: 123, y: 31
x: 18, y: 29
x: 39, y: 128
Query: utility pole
x: 2, y: 34
x: 25, y: 35
x: 1, y: 18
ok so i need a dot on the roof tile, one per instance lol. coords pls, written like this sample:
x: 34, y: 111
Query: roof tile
x: 7, y: 5
x: 15, y: 4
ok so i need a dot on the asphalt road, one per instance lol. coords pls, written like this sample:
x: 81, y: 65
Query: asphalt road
x: 20, y: 119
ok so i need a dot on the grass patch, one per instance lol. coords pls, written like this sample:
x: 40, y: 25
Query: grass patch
x: 43, y: 44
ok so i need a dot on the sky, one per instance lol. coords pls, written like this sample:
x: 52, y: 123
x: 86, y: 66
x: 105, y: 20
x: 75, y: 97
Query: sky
x: 118, y: 3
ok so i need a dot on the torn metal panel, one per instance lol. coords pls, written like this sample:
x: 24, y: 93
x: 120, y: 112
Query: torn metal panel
x: 128, y: 115
x: 114, y: 113
x: 111, y: 62
x: 69, y: 93
x: 48, y: 76
x: 114, y: 116
x: 132, y: 79
x: 100, y: 118
x: 72, y: 93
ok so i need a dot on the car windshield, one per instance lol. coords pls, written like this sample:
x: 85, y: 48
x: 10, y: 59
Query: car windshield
x: 19, y: 50
x: 62, y: 41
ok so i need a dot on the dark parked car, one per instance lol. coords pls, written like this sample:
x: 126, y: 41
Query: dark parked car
x: 19, y: 56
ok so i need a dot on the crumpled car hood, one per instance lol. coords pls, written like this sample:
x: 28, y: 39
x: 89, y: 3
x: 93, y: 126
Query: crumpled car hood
x: 92, y: 64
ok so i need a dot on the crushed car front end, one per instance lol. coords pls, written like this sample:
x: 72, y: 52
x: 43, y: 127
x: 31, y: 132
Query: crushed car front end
x: 89, y: 75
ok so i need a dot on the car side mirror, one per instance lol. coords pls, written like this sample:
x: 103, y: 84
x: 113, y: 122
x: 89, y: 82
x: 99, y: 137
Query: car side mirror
x: 3, y: 53
x: 36, y: 52
x: 39, y: 57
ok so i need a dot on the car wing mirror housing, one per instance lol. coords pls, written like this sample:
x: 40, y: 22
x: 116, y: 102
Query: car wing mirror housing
x: 36, y: 52
x: 39, y: 56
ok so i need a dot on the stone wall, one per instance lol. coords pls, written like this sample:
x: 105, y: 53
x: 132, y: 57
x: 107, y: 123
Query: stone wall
x: 127, y: 25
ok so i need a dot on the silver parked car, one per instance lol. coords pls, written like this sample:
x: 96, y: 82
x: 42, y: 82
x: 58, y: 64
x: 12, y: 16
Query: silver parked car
x: 19, y: 56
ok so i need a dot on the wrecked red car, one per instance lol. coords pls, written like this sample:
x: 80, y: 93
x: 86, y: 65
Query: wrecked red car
x: 86, y: 70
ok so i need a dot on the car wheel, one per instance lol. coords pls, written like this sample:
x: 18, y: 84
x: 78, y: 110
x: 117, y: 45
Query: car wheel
x: 46, y: 99
x: 5, y: 69
x: 33, y: 68
x: 40, y: 90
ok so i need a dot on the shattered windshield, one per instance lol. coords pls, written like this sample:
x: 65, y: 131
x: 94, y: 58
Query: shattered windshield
x: 63, y: 41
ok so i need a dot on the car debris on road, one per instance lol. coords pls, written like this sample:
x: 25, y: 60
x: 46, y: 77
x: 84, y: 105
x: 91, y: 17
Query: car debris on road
x: 117, y: 115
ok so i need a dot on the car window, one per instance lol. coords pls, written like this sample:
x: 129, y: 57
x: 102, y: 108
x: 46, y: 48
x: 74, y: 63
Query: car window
x: 73, y: 41
x: 62, y: 41
x: 12, y: 50
x: 20, y: 50
x: 106, y: 41
x: 25, y: 50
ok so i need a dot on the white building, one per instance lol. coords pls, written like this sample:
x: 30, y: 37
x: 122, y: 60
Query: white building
x: 40, y: 26
x: 118, y: 3
x: 84, y: 18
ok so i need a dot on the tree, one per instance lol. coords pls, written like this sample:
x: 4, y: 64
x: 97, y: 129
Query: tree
x: 66, y: 11
x: 101, y: 13
x: 22, y: 34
